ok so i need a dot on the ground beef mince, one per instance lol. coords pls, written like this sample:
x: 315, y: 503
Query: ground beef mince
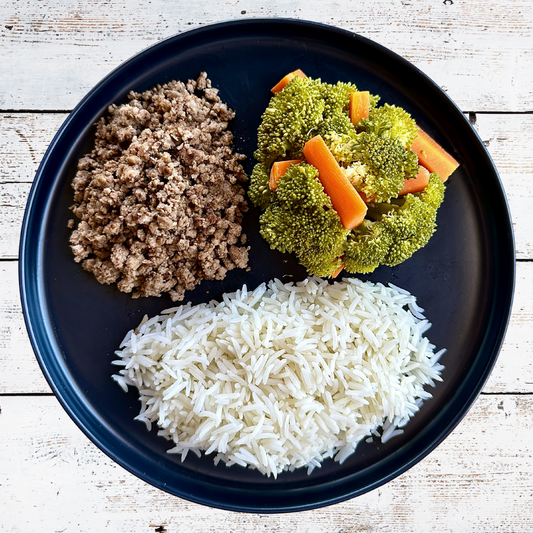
x: 159, y: 198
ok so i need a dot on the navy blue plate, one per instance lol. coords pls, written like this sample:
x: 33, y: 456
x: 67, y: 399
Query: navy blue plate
x: 464, y: 277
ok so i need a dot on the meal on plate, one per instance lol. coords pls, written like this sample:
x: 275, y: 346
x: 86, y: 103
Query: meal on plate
x: 286, y: 375
x: 283, y: 376
x: 159, y: 198
x: 343, y: 182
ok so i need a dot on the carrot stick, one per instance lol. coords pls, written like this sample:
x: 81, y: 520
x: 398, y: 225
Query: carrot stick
x: 433, y: 156
x: 286, y: 79
x: 278, y: 169
x: 416, y: 184
x: 338, y: 271
x: 345, y: 199
x: 359, y: 106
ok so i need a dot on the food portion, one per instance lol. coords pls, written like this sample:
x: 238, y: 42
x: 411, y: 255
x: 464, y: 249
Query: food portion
x: 159, y: 199
x: 284, y: 376
x: 356, y: 185
x: 433, y: 156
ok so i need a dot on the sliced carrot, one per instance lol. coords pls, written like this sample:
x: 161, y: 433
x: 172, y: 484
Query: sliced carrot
x: 359, y: 106
x: 345, y: 199
x: 278, y: 169
x: 433, y: 156
x: 338, y: 271
x: 416, y: 184
x: 286, y: 79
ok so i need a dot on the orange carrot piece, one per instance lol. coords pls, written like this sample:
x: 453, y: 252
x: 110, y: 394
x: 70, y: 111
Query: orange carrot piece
x: 286, y: 79
x: 359, y: 106
x: 433, y: 156
x: 345, y: 199
x: 416, y: 184
x: 338, y: 271
x: 278, y: 169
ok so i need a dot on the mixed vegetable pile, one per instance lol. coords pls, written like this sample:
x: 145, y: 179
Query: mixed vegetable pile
x: 342, y: 182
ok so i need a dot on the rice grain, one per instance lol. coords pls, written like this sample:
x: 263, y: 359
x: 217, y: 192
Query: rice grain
x: 284, y: 376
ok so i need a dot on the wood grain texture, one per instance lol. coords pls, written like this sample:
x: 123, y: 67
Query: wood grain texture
x: 52, y: 478
x: 13, y: 198
x: 479, y: 52
x: 19, y: 370
x: 27, y: 135
x: 20, y: 373
x: 508, y: 138
x: 24, y: 138
x: 479, y: 479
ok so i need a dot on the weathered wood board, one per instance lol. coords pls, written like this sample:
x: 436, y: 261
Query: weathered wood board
x: 479, y: 479
x: 477, y: 52
x: 52, y: 478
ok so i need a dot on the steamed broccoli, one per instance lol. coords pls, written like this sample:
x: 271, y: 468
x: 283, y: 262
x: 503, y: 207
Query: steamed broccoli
x: 391, y: 122
x: 303, y: 109
x: 381, y: 163
x: 301, y: 220
x: 394, y: 231
x: 299, y: 217
x: 258, y: 190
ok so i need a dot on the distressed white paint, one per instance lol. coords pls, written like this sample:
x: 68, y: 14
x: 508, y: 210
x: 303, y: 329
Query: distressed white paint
x: 53, y: 479
x: 20, y: 373
x: 481, y: 52
x: 24, y: 138
x: 479, y: 480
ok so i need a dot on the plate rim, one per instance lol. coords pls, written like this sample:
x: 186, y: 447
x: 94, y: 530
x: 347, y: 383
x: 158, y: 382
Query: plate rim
x: 35, y: 330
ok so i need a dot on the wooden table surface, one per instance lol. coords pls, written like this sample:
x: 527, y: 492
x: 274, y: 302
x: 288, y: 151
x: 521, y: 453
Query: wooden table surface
x: 52, y: 478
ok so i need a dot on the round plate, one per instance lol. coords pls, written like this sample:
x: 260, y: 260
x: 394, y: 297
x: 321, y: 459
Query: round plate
x: 464, y: 277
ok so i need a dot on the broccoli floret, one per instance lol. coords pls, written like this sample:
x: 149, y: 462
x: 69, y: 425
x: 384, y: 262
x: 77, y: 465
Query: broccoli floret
x: 390, y: 122
x: 301, y: 220
x: 367, y: 247
x: 338, y: 123
x: 259, y: 191
x: 385, y: 160
x: 303, y: 109
x: 396, y: 230
x: 299, y: 217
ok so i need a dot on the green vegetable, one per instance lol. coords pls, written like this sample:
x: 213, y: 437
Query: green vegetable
x: 298, y: 216
x: 304, y: 108
x: 386, y: 162
x: 394, y: 232
x: 301, y: 220
x: 258, y: 190
x: 391, y: 122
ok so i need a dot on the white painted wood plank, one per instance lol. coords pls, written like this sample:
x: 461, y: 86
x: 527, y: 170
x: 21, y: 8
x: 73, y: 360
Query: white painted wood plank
x: 513, y: 371
x: 20, y: 373
x: 510, y: 144
x: 26, y: 137
x: 19, y: 370
x: 13, y: 197
x: 481, y: 52
x: 478, y: 481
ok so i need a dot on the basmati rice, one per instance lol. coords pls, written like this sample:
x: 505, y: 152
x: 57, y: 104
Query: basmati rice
x: 284, y: 376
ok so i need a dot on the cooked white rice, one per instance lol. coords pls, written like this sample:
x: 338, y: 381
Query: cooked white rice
x: 283, y: 376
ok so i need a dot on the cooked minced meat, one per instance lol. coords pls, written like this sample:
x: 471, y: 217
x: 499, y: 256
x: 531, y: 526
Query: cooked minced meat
x: 158, y: 198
